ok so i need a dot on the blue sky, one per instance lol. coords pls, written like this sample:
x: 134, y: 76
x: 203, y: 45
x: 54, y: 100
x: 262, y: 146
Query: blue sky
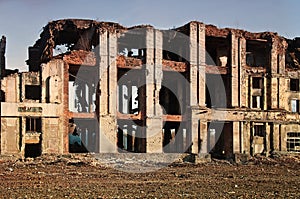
x: 21, y: 21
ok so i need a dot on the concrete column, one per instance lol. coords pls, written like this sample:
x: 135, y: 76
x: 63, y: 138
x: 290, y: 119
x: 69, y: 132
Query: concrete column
x: 197, y: 84
x: 276, y: 137
x: 281, y: 63
x: 250, y: 91
x: 193, y: 64
x: 265, y: 94
x: 283, y: 136
x: 234, y: 71
x: 244, y: 77
x: 108, y: 91
x: 273, y: 58
x: 112, y: 71
x: 241, y: 130
x: 203, y: 138
x: 268, y: 146
x: 195, y: 127
x: 103, y: 72
x: 158, y: 71
x: 201, y: 64
x: 274, y: 93
x: 236, y: 137
x: 246, y: 137
x: 23, y: 132
x: 153, y: 85
x: 282, y: 99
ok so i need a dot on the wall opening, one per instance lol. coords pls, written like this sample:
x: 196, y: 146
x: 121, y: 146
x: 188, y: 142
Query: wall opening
x: 256, y: 53
x: 82, y: 89
x: 217, y: 51
x: 175, y: 46
x: 295, y: 105
x: 128, y: 98
x: 173, y: 94
x: 294, y: 84
x: 293, y: 142
x: 33, y: 92
x: 131, y: 136
x: 216, y: 96
x: 83, y: 135
x: 33, y: 139
x: 129, y: 91
x: 33, y: 124
x: 132, y: 46
x: 257, y: 102
x: 220, y: 139
x: 33, y: 150
x: 2, y: 96
x: 175, y: 137
x: 258, y: 139
x: 257, y: 83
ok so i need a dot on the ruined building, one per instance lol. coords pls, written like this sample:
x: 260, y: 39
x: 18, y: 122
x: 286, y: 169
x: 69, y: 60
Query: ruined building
x: 196, y: 89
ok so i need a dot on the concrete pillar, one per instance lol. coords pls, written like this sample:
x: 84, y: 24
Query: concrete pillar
x: 265, y: 94
x: 276, y: 137
x: 158, y: 71
x: 197, y: 83
x: 112, y: 71
x: 203, y: 138
x: 197, y: 64
x: 283, y: 136
x: 268, y: 140
x: 282, y: 88
x: 201, y: 64
x: 153, y: 84
x: 234, y: 71
x: 108, y: 91
x: 281, y: 63
x: 23, y: 132
x: 250, y: 100
x: 241, y: 130
x: 194, y: 64
x: 195, y: 76
x: 236, y: 137
x: 274, y: 93
x: 244, y: 77
x: 195, y: 127
x: 274, y: 58
x: 246, y: 137
x: 103, y: 70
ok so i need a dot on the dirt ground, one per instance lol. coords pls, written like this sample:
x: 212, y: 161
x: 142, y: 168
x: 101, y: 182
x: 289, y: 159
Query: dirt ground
x: 84, y: 177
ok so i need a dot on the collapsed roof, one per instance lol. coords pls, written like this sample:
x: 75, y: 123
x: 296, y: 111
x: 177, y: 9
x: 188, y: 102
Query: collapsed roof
x: 83, y: 34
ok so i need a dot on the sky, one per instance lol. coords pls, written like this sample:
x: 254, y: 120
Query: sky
x: 22, y: 21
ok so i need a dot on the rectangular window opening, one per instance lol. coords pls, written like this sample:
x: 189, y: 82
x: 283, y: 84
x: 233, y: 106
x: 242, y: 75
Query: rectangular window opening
x: 257, y: 82
x: 257, y: 102
x: 259, y: 130
x: 294, y: 84
x: 33, y: 124
x: 217, y: 51
x: 33, y: 92
x: 256, y: 53
x: 293, y: 141
x: 295, y: 106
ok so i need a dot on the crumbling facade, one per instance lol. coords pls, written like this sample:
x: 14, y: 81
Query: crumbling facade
x: 195, y: 89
